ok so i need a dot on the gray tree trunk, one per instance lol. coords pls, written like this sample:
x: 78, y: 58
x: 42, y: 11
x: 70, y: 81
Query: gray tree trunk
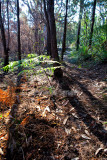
x: 64, y: 34
x: 79, y: 24
x: 92, y: 25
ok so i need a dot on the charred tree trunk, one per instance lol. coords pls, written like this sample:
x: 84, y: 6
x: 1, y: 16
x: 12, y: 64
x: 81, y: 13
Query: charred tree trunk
x: 64, y: 34
x: 19, y: 47
x: 8, y: 25
x: 50, y: 11
x: 48, y: 30
x: 58, y: 74
x: 79, y: 25
x: 48, y: 42
x: 36, y: 46
x: 18, y: 36
x: 6, y: 57
x: 92, y: 25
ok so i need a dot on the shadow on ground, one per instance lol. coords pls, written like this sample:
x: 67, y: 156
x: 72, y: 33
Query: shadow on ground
x: 98, y: 72
x: 34, y: 138
x: 94, y: 127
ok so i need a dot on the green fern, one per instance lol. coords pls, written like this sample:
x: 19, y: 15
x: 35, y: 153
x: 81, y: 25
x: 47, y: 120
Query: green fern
x: 33, y: 64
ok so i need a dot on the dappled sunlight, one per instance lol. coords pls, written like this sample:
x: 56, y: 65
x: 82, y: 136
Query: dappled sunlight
x: 53, y: 80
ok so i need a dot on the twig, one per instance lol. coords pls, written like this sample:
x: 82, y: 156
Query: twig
x: 23, y: 153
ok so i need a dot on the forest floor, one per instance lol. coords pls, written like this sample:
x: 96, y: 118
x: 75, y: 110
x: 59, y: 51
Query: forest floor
x: 52, y: 120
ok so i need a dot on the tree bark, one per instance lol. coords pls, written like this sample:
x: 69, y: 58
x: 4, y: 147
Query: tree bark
x: 8, y: 25
x: 64, y: 34
x: 79, y: 25
x: 48, y: 30
x: 58, y: 73
x: 18, y: 36
x: 6, y: 57
x: 50, y: 11
x: 92, y: 25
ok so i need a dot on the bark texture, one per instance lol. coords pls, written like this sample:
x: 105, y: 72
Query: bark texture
x: 64, y: 34
x: 92, y: 25
x: 18, y: 36
x: 48, y: 30
x: 79, y: 25
x: 50, y: 11
x: 6, y: 56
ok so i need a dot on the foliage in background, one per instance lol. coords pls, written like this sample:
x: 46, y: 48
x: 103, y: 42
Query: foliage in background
x: 98, y: 51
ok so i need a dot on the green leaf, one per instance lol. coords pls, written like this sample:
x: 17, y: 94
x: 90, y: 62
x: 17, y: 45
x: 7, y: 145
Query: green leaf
x: 105, y: 123
x: 1, y: 115
x: 79, y: 66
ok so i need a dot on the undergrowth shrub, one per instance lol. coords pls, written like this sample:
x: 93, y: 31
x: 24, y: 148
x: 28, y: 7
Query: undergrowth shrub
x: 98, y: 53
x: 98, y: 50
x: 33, y: 64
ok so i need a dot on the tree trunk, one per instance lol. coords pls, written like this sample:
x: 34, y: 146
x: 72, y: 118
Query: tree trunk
x: 92, y: 25
x: 8, y: 25
x: 6, y: 57
x: 86, y: 32
x: 64, y: 34
x: 85, y: 22
x: 48, y: 42
x: 58, y: 73
x: 48, y: 30
x: 18, y: 36
x: 50, y: 11
x: 79, y: 25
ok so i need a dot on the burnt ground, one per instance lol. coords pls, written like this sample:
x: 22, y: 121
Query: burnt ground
x: 56, y: 120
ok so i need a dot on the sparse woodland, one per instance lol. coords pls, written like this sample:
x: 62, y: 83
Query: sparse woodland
x: 53, y: 80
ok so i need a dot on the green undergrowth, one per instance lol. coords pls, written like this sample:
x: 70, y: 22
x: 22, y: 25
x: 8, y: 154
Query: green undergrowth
x: 32, y: 64
x: 87, y: 57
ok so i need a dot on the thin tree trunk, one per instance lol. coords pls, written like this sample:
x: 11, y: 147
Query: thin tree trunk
x: 48, y: 30
x: 50, y: 10
x: 85, y: 22
x: 19, y: 48
x: 79, y: 25
x: 106, y: 25
x: 8, y: 25
x: 6, y: 57
x: 18, y: 26
x: 92, y: 25
x: 86, y: 33
x: 64, y: 34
